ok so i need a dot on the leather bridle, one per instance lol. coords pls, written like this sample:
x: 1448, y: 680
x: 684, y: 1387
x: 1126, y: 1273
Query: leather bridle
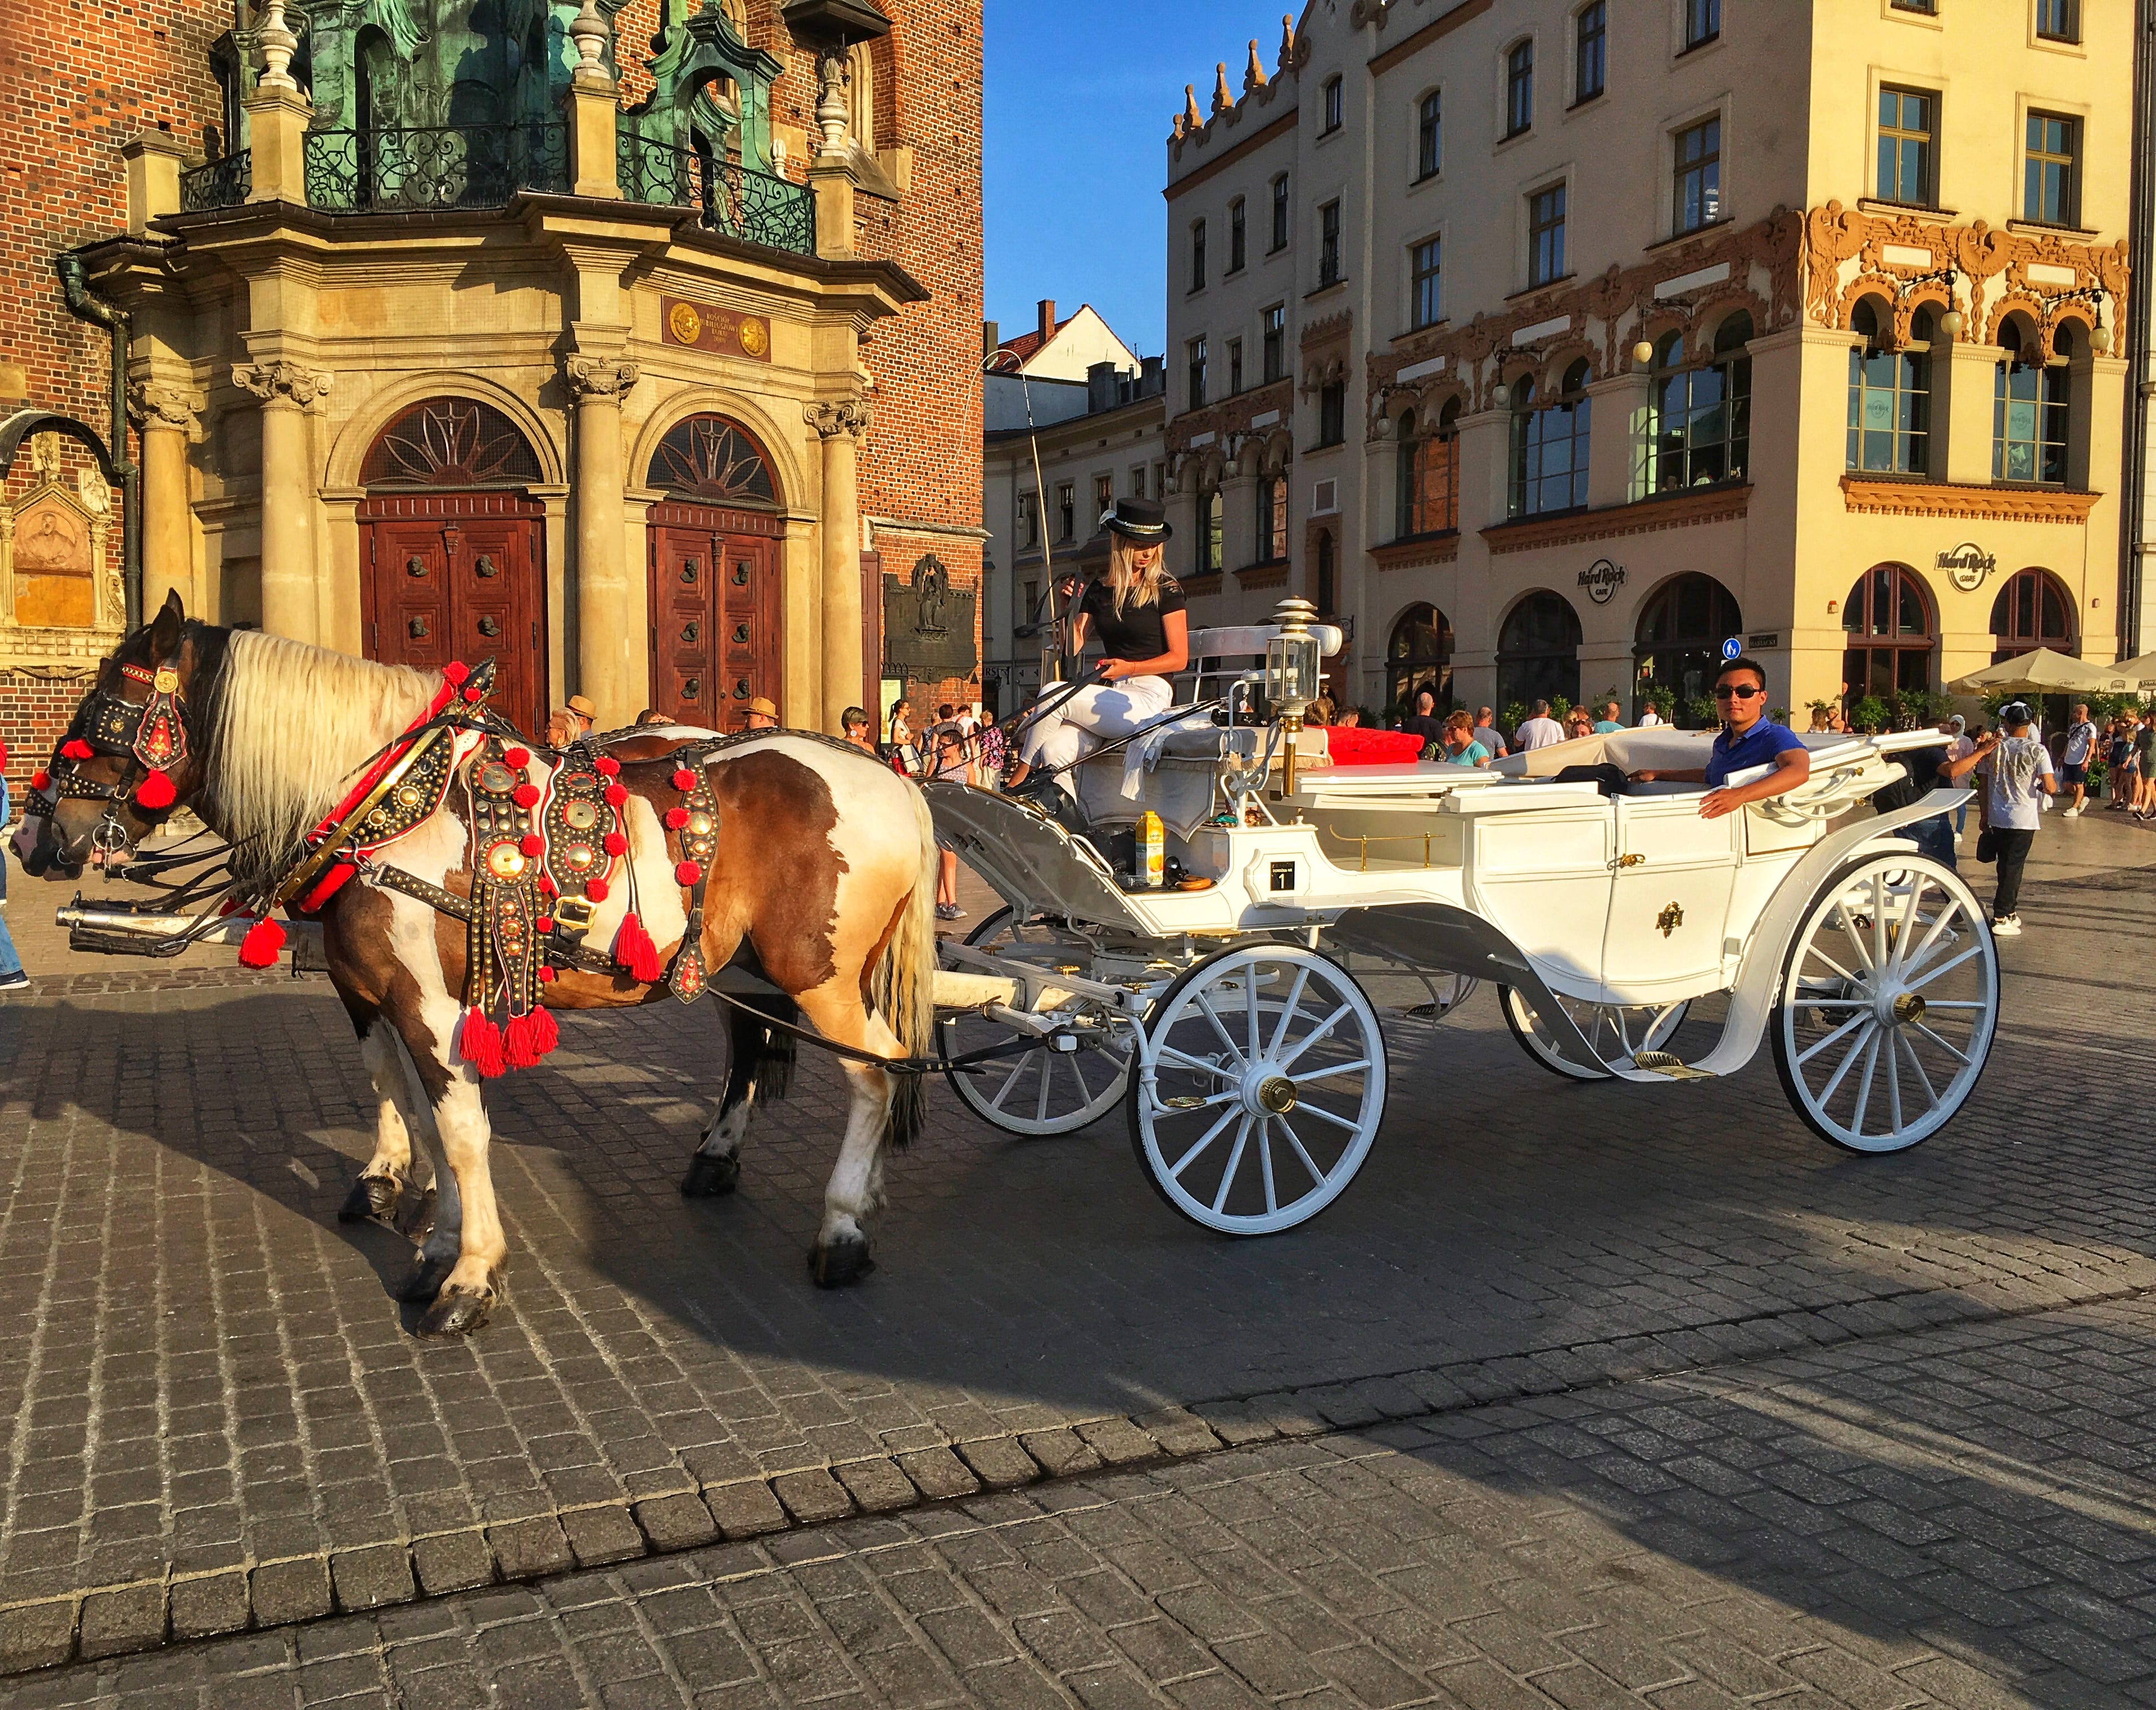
x: 150, y: 736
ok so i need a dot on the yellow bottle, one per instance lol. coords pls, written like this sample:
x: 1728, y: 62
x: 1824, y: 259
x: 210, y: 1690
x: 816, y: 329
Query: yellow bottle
x: 1152, y: 850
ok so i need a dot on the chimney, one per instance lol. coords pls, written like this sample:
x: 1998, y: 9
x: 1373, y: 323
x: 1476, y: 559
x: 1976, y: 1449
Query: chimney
x: 1047, y: 319
x: 1100, y: 387
x: 1152, y: 376
x: 989, y: 341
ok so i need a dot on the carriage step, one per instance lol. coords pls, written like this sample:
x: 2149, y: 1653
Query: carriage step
x: 1664, y: 1064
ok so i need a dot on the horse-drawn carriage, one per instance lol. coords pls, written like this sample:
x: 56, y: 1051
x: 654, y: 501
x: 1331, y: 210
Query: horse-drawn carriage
x: 1231, y: 1014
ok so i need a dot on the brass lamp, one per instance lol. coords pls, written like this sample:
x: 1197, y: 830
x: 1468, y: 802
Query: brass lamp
x: 1292, y: 663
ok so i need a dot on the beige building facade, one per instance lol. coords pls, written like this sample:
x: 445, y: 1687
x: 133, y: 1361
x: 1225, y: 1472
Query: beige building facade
x: 1579, y: 340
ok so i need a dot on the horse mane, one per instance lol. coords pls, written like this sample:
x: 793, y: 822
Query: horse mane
x: 291, y: 726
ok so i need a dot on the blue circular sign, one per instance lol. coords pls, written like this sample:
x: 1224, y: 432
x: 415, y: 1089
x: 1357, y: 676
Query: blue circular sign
x: 1733, y: 647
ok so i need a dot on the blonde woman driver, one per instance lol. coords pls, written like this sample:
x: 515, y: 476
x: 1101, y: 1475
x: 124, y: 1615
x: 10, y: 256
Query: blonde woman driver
x: 1137, y: 612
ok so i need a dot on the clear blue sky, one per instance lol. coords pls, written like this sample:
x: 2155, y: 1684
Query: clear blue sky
x: 1079, y: 97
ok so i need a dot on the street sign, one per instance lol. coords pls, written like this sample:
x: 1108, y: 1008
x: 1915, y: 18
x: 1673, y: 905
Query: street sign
x: 1733, y: 647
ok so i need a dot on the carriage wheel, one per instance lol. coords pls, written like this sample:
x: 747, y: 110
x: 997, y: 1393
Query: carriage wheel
x: 1042, y: 1090
x: 1888, y: 1001
x: 1619, y: 1032
x: 1261, y: 1084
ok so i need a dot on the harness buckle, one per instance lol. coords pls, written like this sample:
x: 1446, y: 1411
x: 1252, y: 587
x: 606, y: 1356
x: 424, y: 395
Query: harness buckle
x: 573, y: 917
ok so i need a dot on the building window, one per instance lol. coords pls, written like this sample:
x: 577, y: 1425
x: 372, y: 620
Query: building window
x: 1906, y: 121
x: 1329, y: 244
x: 1427, y: 300
x: 2028, y: 416
x: 2056, y: 20
x: 2051, y: 190
x: 1519, y: 88
x: 1419, y: 656
x: 1702, y: 22
x: 1104, y: 495
x: 1029, y: 520
x: 1326, y: 596
x: 1333, y: 412
x: 1700, y: 426
x: 1066, y: 511
x: 1429, y: 153
x: 1697, y: 200
x: 1929, y: 7
x: 1677, y: 642
x: 1196, y: 348
x: 1546, y: 235
x: 1236, y: 236
x: 2033, y: 610
x: 1332, y: 102
x: 1429, y: 475
x: 1549, y: 445
x: 1279, y: 213
x: 1138, y: 480
x: 1276, y: 342
x: 1208, y: 533
x: 1198, y: 255
x: 1272, y: 518
x: 1886, y: 634
x: 1537, y: 654
x: 1160, y: 480
x: 1890, y: 400
x: 1235, y: 366
x: 1591, y: 52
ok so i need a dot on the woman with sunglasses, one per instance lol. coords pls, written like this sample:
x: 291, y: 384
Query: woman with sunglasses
x: 1747, y: 738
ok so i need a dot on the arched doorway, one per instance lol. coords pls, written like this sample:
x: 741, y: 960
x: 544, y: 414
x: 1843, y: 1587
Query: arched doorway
x: 1891, y: 634
x: 2033, y: 610
x: 1678, y: 643
x: 714, y: 574
x: 452, y: 551
x: 1419, y: 655
x: 1538, y: 651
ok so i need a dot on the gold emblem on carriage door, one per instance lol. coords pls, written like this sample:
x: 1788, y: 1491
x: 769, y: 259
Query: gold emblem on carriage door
x: 1670, y: 918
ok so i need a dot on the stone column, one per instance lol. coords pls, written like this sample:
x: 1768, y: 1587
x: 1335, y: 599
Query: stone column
x: 841, y: 424
x: 166, y: 416
x: 153, y: 160
x: 593, y: 109
x: 610, y: 649
x: 286, y: 390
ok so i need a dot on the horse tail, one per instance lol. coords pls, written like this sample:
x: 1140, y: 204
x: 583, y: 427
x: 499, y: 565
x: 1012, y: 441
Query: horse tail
x: 904, y: 985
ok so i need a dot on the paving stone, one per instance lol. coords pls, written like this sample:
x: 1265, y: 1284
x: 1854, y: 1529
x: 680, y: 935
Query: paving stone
x: 939, y: 1474
x: 368, y: 1578
x: 285, y: 1592
x: 745, y: 1510
x: 1121, y: 1443
x: 1061, y: 1454
x: 877, y: 1484
x: 455, y: 1561
x: 813, y: 1496
x: 598, y: 1536
x: 529, y: 1549
x: 36, y: 1636
x: 115, y: 1622
x: 216, y: 1603
x: 1178, y: 1430
x: 680, y: 1522
x: 999, y: 1463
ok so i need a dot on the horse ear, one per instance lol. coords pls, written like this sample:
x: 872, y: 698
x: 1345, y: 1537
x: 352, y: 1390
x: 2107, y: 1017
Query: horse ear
x: 164, y: 628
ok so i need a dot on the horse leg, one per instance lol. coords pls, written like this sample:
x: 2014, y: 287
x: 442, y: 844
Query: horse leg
x: 841, y: 1253
x: 382, y: 1183
x: 475, y: 1281
x: 754, y: 1063
x: 441, y: 1239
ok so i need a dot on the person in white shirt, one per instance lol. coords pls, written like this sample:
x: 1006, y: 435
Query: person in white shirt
x: 1539, y: 731
x: 2017, y: 775
x: 2074, y: 760
x: 1649, y: 716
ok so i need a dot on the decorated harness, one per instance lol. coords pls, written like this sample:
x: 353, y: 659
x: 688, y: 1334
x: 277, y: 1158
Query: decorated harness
x: 152, y: 736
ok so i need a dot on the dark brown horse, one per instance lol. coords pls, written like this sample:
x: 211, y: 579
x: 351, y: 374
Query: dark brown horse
x: 823, y: 879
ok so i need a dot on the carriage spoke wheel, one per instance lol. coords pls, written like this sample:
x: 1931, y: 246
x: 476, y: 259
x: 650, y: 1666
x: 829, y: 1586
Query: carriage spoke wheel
x: 1888, y: 1001
x: 1619, y: 1032
x: 1043, y: 1091
x: 1261, y: 1084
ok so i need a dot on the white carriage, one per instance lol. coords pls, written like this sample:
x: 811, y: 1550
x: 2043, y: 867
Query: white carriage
x: 1232, y: 1019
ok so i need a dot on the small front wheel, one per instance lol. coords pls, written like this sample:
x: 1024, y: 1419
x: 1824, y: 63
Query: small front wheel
x: 1619, y: 1032
x: 1261, y: 1084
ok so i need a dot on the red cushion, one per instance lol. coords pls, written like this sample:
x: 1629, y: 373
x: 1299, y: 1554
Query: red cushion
x: 1354, y: 746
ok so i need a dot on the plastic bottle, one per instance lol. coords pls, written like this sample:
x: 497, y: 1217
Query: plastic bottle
x: 1152, y: 850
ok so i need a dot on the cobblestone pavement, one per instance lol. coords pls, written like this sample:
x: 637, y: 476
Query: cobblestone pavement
x: 219, y: 1419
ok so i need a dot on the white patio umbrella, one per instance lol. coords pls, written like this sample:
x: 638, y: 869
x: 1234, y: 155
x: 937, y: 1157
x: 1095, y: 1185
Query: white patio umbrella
x: 2130, y: 676
x: 2040, y: 672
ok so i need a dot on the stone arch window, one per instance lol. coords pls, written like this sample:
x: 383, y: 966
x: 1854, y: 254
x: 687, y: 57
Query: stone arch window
x: 1418, y: 656
x: 1272, y: 518
x: 707, y: 459
x: 1209, y: 542
x: 1700, y: 419
x: 2032, y: 407
x: 1430, y: 474
x: 1327, y: 577
x: 1890, y: 394
x: 2034, y: 609
x: 451, y: 442
x: 1538, y: 651
x: 1677, y: 643
x: 1549, y: 445
x: 1889, y: 632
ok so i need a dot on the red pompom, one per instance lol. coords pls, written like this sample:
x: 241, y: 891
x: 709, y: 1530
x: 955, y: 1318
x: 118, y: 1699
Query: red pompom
x: 41, y: 780
x: 533, y: 844
x: 634, y: 950
x: 154, y: 792
x: 475, y: 694
x: 685, y: 779
x: 617, y: 794
x: 595, y: 890
x: 481, y: 1043
x: 529, y: 1037
x: 545, y: 976
x: 676, y: 818
x: 526, y: 795
x: 456, y: 673
x: 605, y: 766
x: 615, y: 844
x: 76, y: 749
x: 260, y: 948
x: 688, y: 873
x: 518, y: 757
x: 547, y: 886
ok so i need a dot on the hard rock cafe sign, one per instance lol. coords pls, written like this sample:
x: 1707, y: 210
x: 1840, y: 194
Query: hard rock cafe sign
x: 1966, y: 566
x: 1602, y: 579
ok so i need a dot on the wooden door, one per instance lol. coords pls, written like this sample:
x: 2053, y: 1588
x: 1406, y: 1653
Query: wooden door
x: 713, y: 586
x: 460, y: 576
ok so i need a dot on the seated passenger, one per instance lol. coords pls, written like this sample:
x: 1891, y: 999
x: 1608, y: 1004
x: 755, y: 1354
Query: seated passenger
x: 1747, y: 738
x: 1460, y: 747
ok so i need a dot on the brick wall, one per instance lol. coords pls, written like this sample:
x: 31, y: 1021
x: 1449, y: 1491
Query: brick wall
x: 33, y: 712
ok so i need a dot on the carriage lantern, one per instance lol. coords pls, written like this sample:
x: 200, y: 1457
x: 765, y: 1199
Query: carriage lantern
x: 1292, y: 660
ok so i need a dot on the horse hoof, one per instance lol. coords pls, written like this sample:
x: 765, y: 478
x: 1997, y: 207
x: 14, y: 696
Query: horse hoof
x: 425, y: 1282
x: 415, y: 1216
x: 710, y: 1177
x: 835, y: 1264
x: 372, y: 1198
x: 457, y: 1312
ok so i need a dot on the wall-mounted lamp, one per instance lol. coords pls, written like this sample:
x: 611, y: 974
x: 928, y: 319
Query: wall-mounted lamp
x: 1643, y: 353
x: 1833, y: 606
x: 1952, y: 322
x: 1500, y: 394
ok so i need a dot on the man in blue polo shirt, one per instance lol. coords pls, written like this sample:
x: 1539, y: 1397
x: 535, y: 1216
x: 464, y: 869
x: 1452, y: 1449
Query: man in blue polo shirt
x: 1747, y: 738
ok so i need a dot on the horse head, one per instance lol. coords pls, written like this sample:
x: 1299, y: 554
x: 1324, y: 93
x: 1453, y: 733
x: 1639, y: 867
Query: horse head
x: 133, y: 754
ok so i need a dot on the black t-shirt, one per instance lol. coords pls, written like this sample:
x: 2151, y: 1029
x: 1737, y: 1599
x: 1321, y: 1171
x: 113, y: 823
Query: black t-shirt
x: 1140, y: 632
x: 1430, y: 729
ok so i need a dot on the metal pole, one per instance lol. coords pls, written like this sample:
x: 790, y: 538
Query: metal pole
x: 2142, y: 240
x: 86, y: 305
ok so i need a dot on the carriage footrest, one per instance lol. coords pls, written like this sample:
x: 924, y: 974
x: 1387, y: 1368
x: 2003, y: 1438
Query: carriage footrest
x: 1664, y: 1064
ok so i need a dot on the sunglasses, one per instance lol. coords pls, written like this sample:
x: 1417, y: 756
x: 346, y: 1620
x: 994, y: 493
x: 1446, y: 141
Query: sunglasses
x: 1741, y: 692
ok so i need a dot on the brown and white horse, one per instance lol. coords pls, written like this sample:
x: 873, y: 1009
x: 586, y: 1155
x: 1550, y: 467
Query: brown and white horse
x: 823, y: 881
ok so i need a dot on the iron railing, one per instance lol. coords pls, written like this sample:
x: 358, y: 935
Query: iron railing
x: 222, y: 183
x: 433, y: 167
x: 734, y: 199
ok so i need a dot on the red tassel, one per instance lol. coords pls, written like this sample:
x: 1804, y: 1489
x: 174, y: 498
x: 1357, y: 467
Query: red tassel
x: 532, y: 844
x: 686, y: 874
x: 260, y: 948
x: 474, y: 695
x: 455, y: 673
x: 547, y: 887
x: 154, y: 792
x: 518, y: 757
x: 526, y: 795
x: 529, y: 1037
x: 595, y: 890
x: 616, y: 794
x: 545, y: 976
x: 676, y: 818
x: 481, y: 1043
x: 684, y: 779
x: 76, y: 749
x: 634, y: 950
x: 41, y: 780
x: 605, y: 766
x: 615, y: 844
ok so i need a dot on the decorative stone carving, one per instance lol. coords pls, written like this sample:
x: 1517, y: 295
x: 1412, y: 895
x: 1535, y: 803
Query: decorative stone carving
x: 850, y: 417
x: 589, y: 32
x: 598, y: 377
x: 55, y: 571
x: 1964, y: 500
x: 833, y: 72
x: 281, y: 381
x: 278, y: 45
x: 154, y: 405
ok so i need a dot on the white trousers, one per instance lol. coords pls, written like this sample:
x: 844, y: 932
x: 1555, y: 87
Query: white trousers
x: 1098, y: 713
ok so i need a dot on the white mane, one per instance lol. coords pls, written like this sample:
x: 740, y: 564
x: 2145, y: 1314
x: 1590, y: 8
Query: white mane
x: 293, y: 724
